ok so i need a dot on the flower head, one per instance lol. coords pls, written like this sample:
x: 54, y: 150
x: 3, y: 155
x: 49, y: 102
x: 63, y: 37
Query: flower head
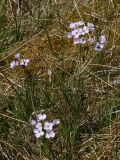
x: 17, y: 55
x: 98, y: 46
x: 48, y: 125
x: 76, y: 24
x: 76, y: 41
x: 76, y: 32
x: 24, y: 62
x: 69, y: 35
x: 102, y: 39
x: 33, y: 122
x: 91, y: 26
x: 73, y: 25
x: 56, y: 121
x: 49, y: 133
x: 84, y: 30
x: 38, y: 132
x: 41, y: 117
x: 38, y: 125
x: 91, y: 40
x: 80, y: 23
x: 14, y: 64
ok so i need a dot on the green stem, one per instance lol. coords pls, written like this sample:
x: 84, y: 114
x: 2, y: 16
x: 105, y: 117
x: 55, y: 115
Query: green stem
x: 40, y: 152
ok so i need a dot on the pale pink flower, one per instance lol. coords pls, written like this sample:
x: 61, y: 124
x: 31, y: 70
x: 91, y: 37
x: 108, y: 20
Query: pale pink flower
x: 14, y: 64
x: 76, y: 24
x: 56, y: 121
x: 33, y: 122
x: 102, y: 39
x: 17, y: 55
x: 91, y: 40
x: 38, y: 125
x: 73, y: 25
x: 24, y: 62
x: 41, y: 117
x: 69, y: 35
x: 48, y: 125
x: 84, y: 30
x: 76, y: 41
x: 49, y: 134
x: 98, y: 46
x: 80, y: 23
x: 91, y: 26
x: 76, y: 32
x: 38, y: 132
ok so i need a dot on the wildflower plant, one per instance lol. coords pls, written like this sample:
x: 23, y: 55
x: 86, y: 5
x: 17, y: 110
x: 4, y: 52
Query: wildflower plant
x: 42, y: 127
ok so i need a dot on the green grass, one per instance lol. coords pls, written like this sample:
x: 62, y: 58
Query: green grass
x: 74, y: 83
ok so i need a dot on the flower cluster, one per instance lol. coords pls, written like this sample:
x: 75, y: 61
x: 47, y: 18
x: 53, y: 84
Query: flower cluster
x: 80, y: 31
x: 100, y: 44
x: 18, y: 62
x: 44, y: 128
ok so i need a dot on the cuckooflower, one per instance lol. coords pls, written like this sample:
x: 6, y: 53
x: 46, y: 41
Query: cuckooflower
x: 91, y: 40
x: 17, y: 55
x: 98, y: 46
x: 76, y: 32
x: 41, y: 117
x: 38, y: 132
x: 84, y: 30
x: 48, y: 125
x: 39, y: 125
x: 80, y: 23
x: 33, y: 122
x: 102, y: 39
x: 76, y: 41
x: 49, y: 133
x: 76, y: 24
x: 24, y: 62
x: 73, y: 25
x: 14, y: 64
x: 91, y: 26
x: 69, y: 35
x: 56, y: 121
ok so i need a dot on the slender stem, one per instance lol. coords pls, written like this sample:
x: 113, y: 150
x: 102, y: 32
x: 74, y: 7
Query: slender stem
x: 40, y: 151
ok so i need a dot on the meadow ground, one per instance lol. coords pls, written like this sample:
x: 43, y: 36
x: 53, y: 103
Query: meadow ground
x: 59, y: 80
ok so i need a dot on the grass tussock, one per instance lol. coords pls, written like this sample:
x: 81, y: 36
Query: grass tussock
x: 73, y: 83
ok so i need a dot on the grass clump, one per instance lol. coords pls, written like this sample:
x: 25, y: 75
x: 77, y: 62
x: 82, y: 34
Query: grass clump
x: 62, y: 75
